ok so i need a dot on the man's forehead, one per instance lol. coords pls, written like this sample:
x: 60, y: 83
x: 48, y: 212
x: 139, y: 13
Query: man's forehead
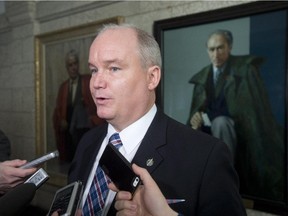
x: 110, y: 48
x: 110, y: 55
x: 216, y: 40
x: 121, y: 34
x: 113, y: 42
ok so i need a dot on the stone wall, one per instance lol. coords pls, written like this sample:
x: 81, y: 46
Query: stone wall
x: 24, y: 20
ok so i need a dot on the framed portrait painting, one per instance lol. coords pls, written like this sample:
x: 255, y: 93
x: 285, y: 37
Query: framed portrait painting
x: 253, y: 92
x: 57, y: 55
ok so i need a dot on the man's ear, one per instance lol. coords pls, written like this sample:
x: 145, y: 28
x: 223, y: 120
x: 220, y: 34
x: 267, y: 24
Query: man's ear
x: 153, y: 77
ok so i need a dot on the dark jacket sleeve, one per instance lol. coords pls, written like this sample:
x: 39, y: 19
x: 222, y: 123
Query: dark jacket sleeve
x: 219, y: 190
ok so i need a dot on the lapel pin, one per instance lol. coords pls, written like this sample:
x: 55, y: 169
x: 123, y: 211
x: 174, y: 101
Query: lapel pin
x: 150, y: 162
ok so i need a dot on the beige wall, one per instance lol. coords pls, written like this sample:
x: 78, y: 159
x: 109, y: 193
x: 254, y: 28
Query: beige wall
x: 25, y: 19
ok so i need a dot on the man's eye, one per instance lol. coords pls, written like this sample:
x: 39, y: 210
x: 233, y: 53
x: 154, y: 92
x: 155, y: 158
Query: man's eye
x: 114, y: 69
x: 93, y: 70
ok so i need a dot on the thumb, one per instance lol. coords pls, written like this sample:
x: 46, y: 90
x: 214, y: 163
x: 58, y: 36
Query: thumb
x: 14, y: 163
x: 145, y: 177
x: 112, y: 187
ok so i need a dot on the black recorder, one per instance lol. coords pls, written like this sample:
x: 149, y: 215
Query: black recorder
x: 119, y: 170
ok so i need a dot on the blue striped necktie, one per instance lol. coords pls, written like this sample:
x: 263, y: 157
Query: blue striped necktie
x: 217, y: 75
x: 99, y: 188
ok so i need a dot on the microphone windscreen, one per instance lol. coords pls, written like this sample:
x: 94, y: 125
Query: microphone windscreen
x: 13, y: 202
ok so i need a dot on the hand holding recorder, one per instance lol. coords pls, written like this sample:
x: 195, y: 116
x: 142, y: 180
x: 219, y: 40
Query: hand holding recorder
x: 119, y: 169
x: 147, y: 199
x: 11, y: 174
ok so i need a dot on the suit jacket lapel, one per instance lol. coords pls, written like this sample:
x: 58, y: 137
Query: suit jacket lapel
x: 92, y: 151
x: 148, y: 155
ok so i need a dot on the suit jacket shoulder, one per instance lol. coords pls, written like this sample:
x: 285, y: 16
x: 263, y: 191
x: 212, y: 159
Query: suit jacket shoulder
x: 201, y: 76
x: 239, y: 61
x: 86, y: 153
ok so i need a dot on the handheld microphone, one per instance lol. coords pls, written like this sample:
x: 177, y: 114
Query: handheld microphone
x: 13, y: 202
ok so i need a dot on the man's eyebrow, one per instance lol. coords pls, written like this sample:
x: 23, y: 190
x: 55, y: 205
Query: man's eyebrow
x: 216, y: 47
x: 90, y: 65
x: 116, y: 60
x: 107, y: 62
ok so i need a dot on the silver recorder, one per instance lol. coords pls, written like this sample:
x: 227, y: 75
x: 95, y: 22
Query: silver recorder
x: 67, y: 199
x: 38, y: 178
x: 40, y: 160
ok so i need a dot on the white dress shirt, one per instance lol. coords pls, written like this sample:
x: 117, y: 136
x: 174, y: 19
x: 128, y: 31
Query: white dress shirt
x: 131, y: 138
x: 73, y: 86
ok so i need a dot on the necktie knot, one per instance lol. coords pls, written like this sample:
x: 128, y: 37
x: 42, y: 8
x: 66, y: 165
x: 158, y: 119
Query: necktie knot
x: 216, y: 75
x: 115, y: 140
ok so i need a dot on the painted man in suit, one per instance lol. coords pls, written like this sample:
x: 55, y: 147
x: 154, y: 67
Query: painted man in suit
x: 75, y: 111
x: 235, y: 108
x: 125, y: 63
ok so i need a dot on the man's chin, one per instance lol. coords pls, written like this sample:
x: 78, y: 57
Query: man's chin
x: 104, y: 115
x: 218, y: 64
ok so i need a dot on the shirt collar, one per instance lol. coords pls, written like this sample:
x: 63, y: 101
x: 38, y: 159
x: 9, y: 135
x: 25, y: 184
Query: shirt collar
x: 132, y: 135
x: 75, y: 81
x: 221, y: 68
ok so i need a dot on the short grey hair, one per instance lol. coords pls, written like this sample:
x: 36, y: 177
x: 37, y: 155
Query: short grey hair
x: 149, y: 49
x: 225, y: 33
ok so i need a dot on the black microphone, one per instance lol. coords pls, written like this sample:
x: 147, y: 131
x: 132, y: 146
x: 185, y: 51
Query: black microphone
x: 13, y: 202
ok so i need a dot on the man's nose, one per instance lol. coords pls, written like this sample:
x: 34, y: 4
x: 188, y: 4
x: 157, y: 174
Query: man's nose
x: 99, y: 80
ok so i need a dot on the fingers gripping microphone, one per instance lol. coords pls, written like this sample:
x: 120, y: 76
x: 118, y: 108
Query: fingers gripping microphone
x: 14, y: 201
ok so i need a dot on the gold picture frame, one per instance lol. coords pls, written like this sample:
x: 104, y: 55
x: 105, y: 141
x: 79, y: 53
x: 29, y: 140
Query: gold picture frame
x: 50, y: 72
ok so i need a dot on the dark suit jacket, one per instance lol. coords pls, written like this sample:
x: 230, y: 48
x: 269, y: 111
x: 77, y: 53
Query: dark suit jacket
x: 188, y: 165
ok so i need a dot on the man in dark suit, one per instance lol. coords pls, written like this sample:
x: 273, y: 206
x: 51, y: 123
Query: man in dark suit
x: 186, y: 164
